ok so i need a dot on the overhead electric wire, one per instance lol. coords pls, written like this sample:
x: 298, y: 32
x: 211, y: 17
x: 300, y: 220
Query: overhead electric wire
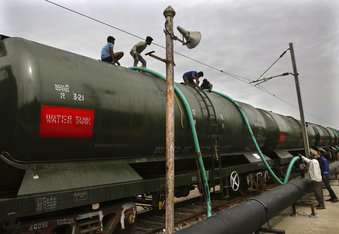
x: 257, y: 83
x: 262, y: 80
x: 286, y: 102
x: 94, y: 19
x: 282, y: 54
x: 229, y: 74
x: 233, y: 75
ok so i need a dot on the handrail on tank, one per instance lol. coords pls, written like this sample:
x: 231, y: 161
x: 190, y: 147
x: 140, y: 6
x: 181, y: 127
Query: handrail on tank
x: 194, y: 134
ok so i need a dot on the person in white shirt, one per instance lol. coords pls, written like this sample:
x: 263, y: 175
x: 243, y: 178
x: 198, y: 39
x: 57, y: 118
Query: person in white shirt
x: 314, y: 174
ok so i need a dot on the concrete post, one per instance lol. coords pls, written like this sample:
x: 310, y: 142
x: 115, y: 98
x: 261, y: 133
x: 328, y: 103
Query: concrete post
x: 301, y: 111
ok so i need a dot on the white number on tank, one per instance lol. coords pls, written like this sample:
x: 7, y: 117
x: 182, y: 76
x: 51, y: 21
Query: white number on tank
x: 62, y: 95
x: 62, y: 90
x: 78, y: 97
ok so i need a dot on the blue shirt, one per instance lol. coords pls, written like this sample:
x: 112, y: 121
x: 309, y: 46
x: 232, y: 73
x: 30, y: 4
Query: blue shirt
x: 324, y: 166
x: 190, y: 75
x: 105, y: 50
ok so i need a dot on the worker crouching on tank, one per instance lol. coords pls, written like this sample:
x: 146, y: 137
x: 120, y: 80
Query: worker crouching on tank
x: 314, y: 174
x: 107, y: 53
x: 192, y: 78
x: 206, y: 85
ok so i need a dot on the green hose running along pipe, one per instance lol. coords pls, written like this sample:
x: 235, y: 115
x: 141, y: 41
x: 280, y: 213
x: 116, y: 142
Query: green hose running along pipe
x: 191, y: 121
x: 262, y: 156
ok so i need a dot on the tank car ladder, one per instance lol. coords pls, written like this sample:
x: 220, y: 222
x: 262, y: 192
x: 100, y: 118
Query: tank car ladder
x: 208, y: 110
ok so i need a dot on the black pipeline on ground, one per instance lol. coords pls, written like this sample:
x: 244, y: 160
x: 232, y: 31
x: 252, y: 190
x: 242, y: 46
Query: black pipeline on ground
x: 249, y: 216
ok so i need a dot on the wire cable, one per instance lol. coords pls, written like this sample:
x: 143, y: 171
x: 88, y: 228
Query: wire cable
x: 287, y: 103
x: 94, y: 19
x: 282, y: 54
x: 229, y: 74
x: 233, y: 75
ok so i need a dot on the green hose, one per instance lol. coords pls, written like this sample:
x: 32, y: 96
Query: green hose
x: 194, y: 134
x: 262, y: 156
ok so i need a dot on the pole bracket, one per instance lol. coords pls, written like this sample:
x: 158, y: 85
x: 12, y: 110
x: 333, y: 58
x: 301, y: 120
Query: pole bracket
x: 151, y: 54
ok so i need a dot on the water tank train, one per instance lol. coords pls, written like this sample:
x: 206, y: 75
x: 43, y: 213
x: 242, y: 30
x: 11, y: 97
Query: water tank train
x: 59, y: 107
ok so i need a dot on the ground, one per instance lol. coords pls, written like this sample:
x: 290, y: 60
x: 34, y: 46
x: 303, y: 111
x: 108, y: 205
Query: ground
x: 324, y: 222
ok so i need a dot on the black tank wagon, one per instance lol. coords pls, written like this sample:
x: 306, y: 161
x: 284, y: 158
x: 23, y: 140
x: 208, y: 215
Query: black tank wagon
x: 83, y: 137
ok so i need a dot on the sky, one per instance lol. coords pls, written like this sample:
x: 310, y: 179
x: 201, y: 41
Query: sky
x: 241, y: 37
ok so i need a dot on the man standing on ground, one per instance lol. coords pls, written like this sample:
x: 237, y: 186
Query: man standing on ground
x: 138, y: 48
x: 107, y: 54
x: 314, y: 174
x: 325, y: 173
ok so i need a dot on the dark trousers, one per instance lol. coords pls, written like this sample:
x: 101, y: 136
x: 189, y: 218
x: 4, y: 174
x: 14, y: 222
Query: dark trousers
x: 318, y: 192
x: 115, y: 59
x: 329, y: 188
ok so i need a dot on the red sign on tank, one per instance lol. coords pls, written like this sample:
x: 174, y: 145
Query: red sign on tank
x: 66, y: 122
x: 282, y: 138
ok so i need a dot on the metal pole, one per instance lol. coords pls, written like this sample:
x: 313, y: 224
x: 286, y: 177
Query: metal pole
x: 297, y: 86
x: 169, y: 13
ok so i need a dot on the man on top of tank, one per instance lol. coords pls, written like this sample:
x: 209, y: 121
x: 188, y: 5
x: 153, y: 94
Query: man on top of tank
x: 206, y: 85
x: 107, y: 53
x: 192, y: 78
x: 138, y: 48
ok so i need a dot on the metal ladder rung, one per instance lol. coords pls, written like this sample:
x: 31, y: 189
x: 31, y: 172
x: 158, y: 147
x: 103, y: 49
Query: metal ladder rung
x: 212, y: 117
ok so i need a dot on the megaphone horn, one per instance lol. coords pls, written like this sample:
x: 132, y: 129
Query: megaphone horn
x: 192, y: 39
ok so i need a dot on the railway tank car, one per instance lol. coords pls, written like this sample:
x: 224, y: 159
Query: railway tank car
x: 62, y: 107
x: 65, y: 107
x: 64, y: 110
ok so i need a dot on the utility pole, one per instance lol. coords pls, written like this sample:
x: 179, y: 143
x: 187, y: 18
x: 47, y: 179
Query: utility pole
x: 301, y: 111
x: 169, y: 13
x: 191, y: 40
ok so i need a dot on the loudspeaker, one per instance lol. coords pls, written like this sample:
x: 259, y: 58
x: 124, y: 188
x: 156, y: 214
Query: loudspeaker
x: 192, y: 39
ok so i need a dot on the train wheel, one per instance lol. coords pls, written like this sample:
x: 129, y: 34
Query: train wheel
x: 110, y: 222
x: 127, y: 218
